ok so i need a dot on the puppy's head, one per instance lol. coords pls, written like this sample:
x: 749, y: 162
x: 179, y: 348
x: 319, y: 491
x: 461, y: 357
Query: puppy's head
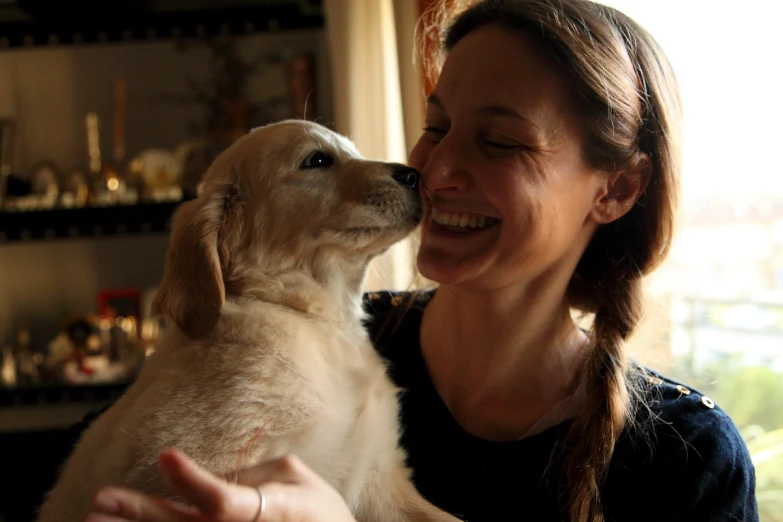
x: 290, y: 196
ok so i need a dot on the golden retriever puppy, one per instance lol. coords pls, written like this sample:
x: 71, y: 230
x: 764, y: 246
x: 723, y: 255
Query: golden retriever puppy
x: 266, y: 353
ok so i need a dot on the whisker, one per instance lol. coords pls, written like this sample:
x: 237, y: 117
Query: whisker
x: 307, y: 99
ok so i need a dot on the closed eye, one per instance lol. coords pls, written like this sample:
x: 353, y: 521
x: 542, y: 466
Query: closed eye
x: 501, y: 146
x: 317, y: 160
x: 496, y: 143
x: 434, y: 133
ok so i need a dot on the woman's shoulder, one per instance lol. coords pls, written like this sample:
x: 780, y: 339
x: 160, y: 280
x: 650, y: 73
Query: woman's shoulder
x: 686, y: 452
x: 674, y: 410
x: 393, y: 321
x: 390, y: 311
x: 381, y: 302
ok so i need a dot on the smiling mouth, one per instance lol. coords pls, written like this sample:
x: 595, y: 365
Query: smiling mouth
x: 462, y: 222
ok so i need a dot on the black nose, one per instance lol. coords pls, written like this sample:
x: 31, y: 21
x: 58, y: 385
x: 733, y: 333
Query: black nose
x: 406, y: 176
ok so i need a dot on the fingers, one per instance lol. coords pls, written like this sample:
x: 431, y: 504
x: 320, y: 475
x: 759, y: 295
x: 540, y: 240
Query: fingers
x: 285, y: 470
x: 115, y: 504
x: 222, y: 500
x: 98, y: 517
x: 277, y: 503
x: 212, y: 496
x: 122, y: 505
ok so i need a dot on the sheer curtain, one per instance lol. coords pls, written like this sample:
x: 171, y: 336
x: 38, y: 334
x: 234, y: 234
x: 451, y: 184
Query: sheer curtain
x: 377, y: 97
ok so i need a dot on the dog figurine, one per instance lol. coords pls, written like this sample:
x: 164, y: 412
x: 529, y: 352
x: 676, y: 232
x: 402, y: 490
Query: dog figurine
x: 266, y: 353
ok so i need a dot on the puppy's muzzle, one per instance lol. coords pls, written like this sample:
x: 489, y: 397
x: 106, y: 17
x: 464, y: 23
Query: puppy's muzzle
x: 406, y: 176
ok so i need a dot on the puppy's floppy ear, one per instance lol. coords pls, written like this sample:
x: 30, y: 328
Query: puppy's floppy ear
x: 192, y: 292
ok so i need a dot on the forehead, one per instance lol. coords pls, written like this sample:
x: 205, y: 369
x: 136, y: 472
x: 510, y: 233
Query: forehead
x: 494, y: 66
x: 302, y: 134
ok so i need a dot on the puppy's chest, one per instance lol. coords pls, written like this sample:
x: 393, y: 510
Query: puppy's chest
x: 343, y: 363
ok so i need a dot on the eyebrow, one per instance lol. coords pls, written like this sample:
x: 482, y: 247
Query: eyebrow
x: 487, y: 110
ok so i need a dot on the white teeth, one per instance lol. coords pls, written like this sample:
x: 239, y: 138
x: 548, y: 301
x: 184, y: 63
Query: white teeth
x: 459, y: 220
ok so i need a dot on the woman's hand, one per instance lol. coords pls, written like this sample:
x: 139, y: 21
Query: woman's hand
x: 291, y: 492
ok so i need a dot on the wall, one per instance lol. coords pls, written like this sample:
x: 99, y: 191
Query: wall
x: 53, y: 89
x: 41, y: 283
x: 49, y: 91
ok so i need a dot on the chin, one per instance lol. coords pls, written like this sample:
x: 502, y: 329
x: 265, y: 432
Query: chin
x: 445, y: 269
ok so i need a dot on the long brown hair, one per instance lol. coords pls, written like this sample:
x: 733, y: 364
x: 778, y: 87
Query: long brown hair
x: 627, y: 100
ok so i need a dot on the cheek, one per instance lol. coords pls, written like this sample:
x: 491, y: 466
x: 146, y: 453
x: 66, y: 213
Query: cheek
x: 287, y: 200
x: 527, y: 211
x: 524, y: 212
x: 517, y: 194
x: 556, y: 213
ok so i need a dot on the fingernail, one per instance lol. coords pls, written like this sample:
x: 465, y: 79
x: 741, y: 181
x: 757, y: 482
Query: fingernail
x: 106, y: 503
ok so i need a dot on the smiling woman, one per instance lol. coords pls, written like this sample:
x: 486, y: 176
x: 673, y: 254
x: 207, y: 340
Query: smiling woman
x: 552, y: 162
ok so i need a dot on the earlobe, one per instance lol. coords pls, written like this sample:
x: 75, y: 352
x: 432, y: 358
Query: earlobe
x: 622, y: 190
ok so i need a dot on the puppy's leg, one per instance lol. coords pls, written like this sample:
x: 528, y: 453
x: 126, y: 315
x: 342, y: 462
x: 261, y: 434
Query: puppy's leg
x: 390, y: 496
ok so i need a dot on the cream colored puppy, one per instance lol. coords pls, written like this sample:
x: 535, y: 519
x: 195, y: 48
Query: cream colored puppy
x: 267, y: 354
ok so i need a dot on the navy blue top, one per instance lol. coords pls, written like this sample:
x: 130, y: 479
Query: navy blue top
x: 687, y: 462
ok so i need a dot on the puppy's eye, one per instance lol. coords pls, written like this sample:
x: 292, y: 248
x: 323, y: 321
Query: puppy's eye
x: 317, y: 160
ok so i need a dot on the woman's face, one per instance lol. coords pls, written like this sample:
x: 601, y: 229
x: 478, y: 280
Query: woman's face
x: 507, y: 197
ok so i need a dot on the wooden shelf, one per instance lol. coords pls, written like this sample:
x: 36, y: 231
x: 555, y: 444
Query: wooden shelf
x: 60, y: 394
x: 56, y: 23
x: 53, y: 407
x: 86, y: 222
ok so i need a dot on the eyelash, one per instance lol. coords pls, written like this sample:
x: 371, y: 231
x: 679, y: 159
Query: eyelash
x: 489, y: 143
x: 500, y: 146
x: 430, y: 128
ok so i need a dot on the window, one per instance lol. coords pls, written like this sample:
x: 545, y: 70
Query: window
x: 715, y: 317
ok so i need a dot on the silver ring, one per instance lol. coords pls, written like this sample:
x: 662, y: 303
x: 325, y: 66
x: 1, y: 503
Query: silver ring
x: 261, y: 505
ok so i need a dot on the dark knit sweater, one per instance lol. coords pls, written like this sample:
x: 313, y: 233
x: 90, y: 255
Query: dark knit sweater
x: 685, y: 463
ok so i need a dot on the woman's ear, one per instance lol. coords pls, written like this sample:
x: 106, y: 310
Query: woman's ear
x: 621, y: 191
x: 192, y: 292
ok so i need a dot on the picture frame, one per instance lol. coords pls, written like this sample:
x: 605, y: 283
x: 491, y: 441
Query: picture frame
x: 121, y: 302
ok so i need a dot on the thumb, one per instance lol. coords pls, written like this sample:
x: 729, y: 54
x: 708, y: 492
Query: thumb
x: 211, y: 495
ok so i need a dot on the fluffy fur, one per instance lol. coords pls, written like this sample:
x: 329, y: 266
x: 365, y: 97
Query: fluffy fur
x: 266, y: 353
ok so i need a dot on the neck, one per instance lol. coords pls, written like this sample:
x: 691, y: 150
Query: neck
x: 503, y: 359
x: 329, y: 289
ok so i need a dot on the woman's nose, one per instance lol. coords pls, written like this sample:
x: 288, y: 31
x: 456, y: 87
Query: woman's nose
x: 444, y: 168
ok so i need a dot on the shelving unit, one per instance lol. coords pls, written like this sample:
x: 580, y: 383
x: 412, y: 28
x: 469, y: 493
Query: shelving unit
x: 86, y: 222
x: 28, y: 23
x: 42, y: 24
x: 47, y: 23
x: 34, y: 421
x: 60, y: 394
